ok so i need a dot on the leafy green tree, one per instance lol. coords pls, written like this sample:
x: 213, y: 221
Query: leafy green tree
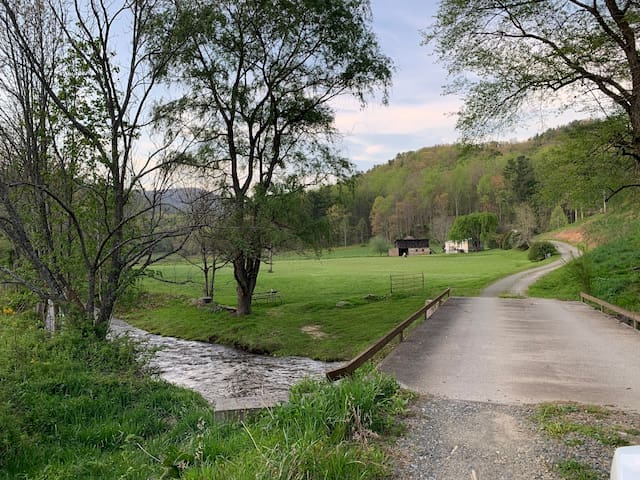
x: 520, y: 174
x: 480, y: 228
x: 502, y: 54
x: 379, y: 245
x: 558, y: 218
x: 581, y: 152
x: 257, y: 79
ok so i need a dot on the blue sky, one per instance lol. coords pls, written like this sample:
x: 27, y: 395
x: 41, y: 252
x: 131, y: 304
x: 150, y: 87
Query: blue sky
x: 418, y: 115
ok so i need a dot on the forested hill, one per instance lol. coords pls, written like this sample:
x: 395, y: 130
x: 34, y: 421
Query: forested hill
x: 546, y: 181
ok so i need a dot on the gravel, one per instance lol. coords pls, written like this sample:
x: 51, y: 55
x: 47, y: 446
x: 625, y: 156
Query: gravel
x: 455, y: 440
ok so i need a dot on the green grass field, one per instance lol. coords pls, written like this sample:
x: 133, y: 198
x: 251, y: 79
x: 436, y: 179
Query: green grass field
x: 311, y: 287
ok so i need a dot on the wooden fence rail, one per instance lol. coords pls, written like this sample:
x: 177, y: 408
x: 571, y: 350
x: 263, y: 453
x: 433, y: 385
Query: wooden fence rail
x: 366, y: 355
x: 633, y: 317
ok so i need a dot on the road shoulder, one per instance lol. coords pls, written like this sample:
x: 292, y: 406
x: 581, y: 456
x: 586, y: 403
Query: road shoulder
x: 453, y: 439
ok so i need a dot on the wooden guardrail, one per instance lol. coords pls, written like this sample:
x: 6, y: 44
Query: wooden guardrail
x: 366, y: 355
x: 633, y: 317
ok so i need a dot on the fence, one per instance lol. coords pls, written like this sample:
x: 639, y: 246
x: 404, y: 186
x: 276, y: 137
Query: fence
x: 365, y: 356
x: 632, y: 318
x: 405, y: 282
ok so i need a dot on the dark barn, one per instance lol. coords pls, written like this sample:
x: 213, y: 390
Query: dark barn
x: 410, y: 246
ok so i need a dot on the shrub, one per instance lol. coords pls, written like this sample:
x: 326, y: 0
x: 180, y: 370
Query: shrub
x: 541, y: 250
x: 379, y: 245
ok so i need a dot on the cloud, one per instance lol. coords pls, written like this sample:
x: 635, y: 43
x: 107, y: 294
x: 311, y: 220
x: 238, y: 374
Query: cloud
x: 401, y: 119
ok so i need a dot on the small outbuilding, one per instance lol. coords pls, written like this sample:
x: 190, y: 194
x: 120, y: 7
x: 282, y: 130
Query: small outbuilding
x: 410, y: 246
x: 462, y: 246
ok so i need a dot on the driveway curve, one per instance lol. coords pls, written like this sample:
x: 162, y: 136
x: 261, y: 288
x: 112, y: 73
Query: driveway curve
x: 519, y: 283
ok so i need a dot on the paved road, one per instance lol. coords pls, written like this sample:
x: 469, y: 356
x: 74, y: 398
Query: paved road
x: 516, y: 351
x: 518, y: 284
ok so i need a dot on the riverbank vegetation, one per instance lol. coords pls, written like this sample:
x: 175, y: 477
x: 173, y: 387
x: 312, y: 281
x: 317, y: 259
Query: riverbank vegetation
x: 75, y: 409
x: 329, y: 307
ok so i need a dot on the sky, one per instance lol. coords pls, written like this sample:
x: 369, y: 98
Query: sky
x: 418, y: 114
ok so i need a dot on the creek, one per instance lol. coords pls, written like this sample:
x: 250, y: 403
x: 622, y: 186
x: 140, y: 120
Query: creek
x: 219, y: 372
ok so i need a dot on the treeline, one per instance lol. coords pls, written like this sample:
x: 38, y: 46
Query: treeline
x: 555, y: 178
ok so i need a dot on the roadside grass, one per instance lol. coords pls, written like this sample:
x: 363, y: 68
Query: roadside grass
x: 576, y: 425
x: 69, y: 407
x: 72, y: 408
x: 610, y: 272
x: 574, y: 470
x: 311, y: 288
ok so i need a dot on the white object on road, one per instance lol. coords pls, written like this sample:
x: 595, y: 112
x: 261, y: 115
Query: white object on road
x: 626, y: 464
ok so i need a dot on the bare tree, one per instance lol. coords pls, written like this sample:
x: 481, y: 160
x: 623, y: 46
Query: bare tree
x: 209, y: 239
x: 81, y: 200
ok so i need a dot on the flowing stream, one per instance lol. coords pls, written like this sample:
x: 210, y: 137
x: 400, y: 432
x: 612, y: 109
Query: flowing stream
x: 219, y: 372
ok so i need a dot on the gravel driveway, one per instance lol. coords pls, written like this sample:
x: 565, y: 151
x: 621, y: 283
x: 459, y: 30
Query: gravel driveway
x: 457, y: 440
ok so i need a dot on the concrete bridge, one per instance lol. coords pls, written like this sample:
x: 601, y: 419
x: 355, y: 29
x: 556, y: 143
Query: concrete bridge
x: 521, y: 350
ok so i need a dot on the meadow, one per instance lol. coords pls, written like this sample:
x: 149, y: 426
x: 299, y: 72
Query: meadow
x: 311, y: 287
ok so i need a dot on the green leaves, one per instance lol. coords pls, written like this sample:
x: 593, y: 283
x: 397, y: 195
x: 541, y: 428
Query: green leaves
x: 479, y: 227
x: 502, y: 54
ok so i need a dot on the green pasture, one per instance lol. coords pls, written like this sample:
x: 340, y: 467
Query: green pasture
x: 310, y: 287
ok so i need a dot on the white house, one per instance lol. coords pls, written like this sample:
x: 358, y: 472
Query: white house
x: 452, y: 246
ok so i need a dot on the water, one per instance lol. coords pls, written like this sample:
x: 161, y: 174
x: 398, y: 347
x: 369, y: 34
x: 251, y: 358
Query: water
x: 219, y: 372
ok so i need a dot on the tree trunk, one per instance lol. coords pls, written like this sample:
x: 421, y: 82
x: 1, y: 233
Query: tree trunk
x: 212, y: 283
x: 245, y: 270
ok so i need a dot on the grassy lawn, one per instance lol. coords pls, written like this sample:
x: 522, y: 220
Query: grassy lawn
x: 311, y: 287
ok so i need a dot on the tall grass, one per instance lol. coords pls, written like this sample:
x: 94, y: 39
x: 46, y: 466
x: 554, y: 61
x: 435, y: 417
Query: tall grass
x: 72, y: 408
x: 68, y: 405
x: 326, y: 431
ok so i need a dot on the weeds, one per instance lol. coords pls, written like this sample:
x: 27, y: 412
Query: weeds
x: 573, y: 470
x: 577, y: 425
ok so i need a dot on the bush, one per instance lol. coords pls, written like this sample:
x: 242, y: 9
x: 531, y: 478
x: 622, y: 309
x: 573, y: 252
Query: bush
x: 379, y: 245
x: 541, y: 250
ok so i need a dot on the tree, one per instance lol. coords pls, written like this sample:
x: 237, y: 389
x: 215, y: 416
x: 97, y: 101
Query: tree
x: 520, y: 174
x: 258, y: 78
x: 83, y: 211
x: 501, y: 54
x: 339, y: 220
x: 583, y: 154
x: 525, y: 223
x: 480, y: 228
x: 381, y: 212
x: 208, y: 215
x: 379, y: 245
x: 558, y: 218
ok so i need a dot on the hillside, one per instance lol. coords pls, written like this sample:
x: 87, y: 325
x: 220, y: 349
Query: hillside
x: 419, y: 193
